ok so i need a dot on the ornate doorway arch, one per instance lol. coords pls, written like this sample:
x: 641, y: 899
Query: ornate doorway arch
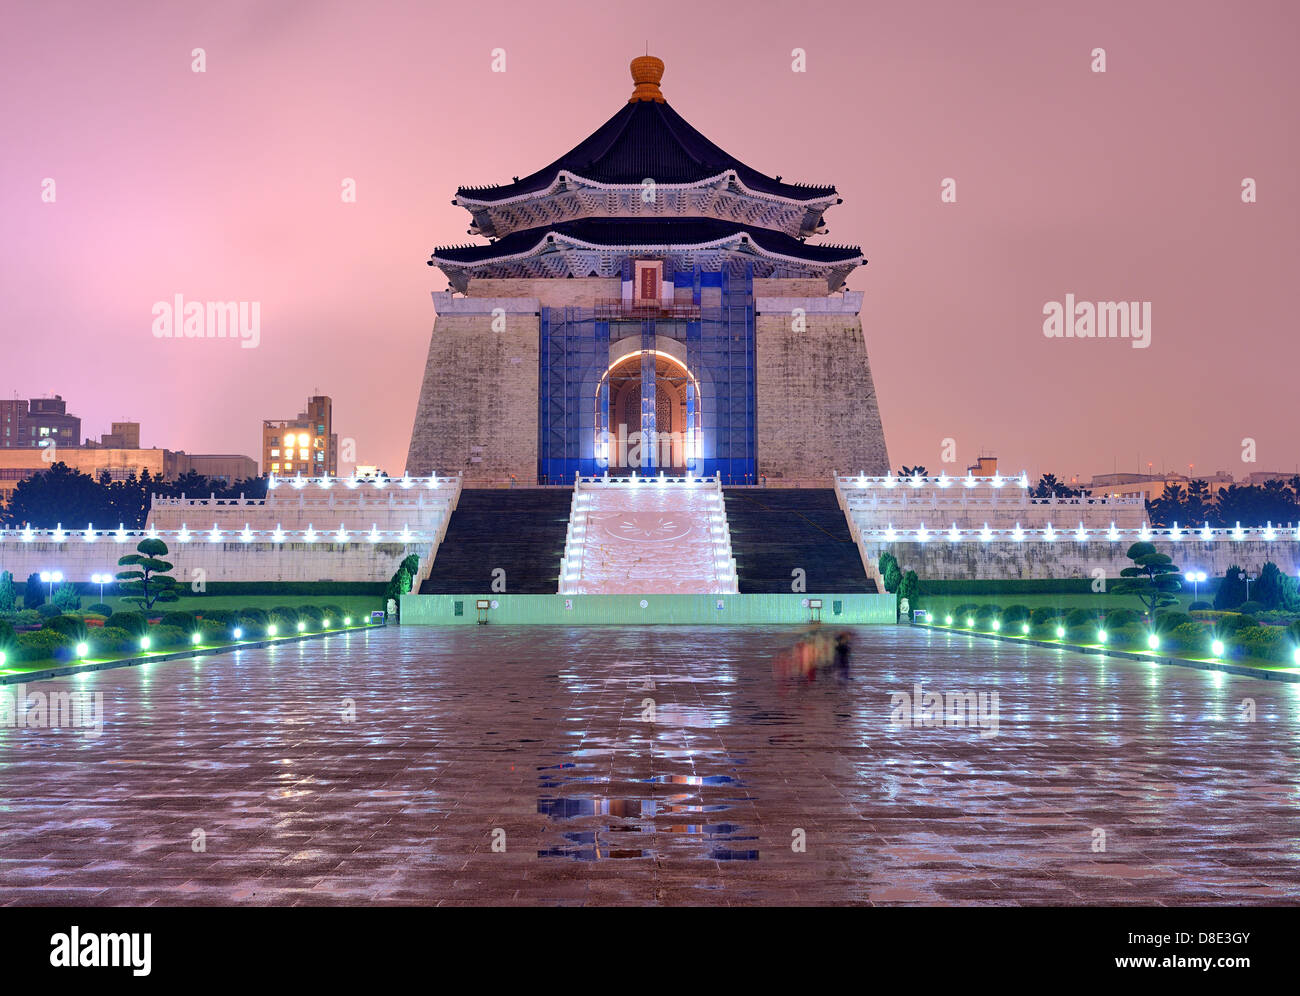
x: 647, y: 430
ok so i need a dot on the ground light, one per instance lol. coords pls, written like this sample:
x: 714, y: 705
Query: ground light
x: 1024, y: 628
x: 348, y: 621
x: 997, y: 624
x: 325, y: 624
x: 969, y: 622
x: 239, y: 633
x: 1153, y: 642
x: 194, y: 639
x: 144, y: 643
x: 82, y: 650
x: 1216, y: 648
x: 2, y: 658
x: 1101, y: 636
x: 1295, y: 656
x: 272, y: 629
x: 302, y: 626
x: 947, y: 620
x: 1060, y: 632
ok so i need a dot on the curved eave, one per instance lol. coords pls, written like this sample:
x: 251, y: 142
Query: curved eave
x: 465, y: 197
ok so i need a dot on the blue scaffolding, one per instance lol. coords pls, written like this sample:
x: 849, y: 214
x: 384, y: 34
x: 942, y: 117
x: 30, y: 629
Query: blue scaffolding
x: 718, y: 340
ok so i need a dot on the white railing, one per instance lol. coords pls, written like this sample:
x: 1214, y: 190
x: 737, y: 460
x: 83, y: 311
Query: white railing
x: 328, y: 492
x: 1079, y: 534
x: 920, y: 491
x: 215, y: 534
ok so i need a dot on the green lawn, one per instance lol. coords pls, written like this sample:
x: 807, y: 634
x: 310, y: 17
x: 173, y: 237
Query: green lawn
x: 24, y: 667
x: 1246, y: 661
x: 357, y: 605
x: 939, y: 604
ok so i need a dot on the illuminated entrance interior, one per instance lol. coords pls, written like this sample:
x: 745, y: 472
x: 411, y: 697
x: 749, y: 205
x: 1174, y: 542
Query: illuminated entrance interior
x: 669, y: 410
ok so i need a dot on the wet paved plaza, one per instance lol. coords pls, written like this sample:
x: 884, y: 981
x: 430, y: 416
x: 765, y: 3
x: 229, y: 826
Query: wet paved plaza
x: 644, y: 765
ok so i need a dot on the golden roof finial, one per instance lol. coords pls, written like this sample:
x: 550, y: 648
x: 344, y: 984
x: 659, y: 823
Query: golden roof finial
x: 647, y: 72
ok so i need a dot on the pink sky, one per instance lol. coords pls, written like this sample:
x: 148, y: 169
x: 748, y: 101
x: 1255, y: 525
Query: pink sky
x: 225, y: 186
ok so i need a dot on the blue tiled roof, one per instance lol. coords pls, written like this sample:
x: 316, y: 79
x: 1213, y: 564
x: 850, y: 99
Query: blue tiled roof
x: 648, y: 231
x: 647, y: 140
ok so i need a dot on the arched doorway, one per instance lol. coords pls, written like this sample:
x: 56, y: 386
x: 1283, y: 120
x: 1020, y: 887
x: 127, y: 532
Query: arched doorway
x: 621, y: 404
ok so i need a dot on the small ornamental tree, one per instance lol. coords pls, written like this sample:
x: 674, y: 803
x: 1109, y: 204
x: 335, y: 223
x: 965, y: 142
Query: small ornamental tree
x: 66, y: 598
x: 889, y: 571
x: 8, y: 593
x: 34, y: 593
x: 909, y: 587
x: 1153, y: 579
x: 1275, y: 589
x: 149, y: 583
x: 1232, y: 590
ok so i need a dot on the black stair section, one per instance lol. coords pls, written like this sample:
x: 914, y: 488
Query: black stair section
x: 521, y: 531
x: 775, y: 530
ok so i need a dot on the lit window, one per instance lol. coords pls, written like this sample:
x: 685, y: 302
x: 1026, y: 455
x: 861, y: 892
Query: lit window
x: 288, y: 466
x: 275, y: 453
x: 302, y: 454
x: 275, y: 466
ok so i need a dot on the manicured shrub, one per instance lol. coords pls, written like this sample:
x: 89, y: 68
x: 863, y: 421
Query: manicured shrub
x: 27, y: 617
x: 1014, y: 616
x: 1252, y: 608
x: 1167, y: 622
x: 1200, y: 606
x: 1188, y: 637
x: 6, y: 634
x: 48, y: 611
x: 1132, y: 637
x: 44, y: 643
x: 253, y: 623
x: 181, y: 620
x: 34, y: 592
x: 69, y: 626
x: 1079, y: 618
x: 213, y: 631
x: 168, y: 637
x: 112, y: 640
x: 311, y: 615
x: 1045, y: 617
x: 1293, y: 632
x: 962, y: 611
x: 334, y: 614
x: 283, y: 614
x: 219, y: 615
x: 133, y: 622
x: 100, y: 609
x: 1119, y: 618
x: 1265, y: 642
x: 1224, y: 625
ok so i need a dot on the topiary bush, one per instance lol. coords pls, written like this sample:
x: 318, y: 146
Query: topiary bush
x: 213, y: 631
x: 1015, y: 616
x: 6, y: 635
x: 1200, y: 606
x: 1225, y: 625
x: 253, y: 623
x: 311, y: 615
x: 27, y: 617
x: 112, y: 640
x: 1132, y: 637
x: 1167, y: 622
x: 100, y: 609
x: 181, y: 620
x: 284, y: 616
x: 334, y: 613
x: 1188, y: 637
x: 218, y: 615
x: 43, y: 644
x: 133, y: 622
x: 48, y: 611
x: 1269, y: 643
x: 168, y: 637
x: 69, y: 626
x: 1119, y: 618
x: 1252, y: 608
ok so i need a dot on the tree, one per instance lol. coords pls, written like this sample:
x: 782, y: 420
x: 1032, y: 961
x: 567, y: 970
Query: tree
x: 917, y: 471
x: 890, y: 573
x: 34, y: 593
x: 1275, y: 589
x: 66, y: 598
x: 149, y: 583
x: 1232, y: 590
x: 909, y: 588
x: 1048, y: 486
x: 8, y: 593
x: 1153, y: 579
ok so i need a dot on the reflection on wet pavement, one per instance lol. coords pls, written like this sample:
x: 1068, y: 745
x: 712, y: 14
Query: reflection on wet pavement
x: 544, y: 765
